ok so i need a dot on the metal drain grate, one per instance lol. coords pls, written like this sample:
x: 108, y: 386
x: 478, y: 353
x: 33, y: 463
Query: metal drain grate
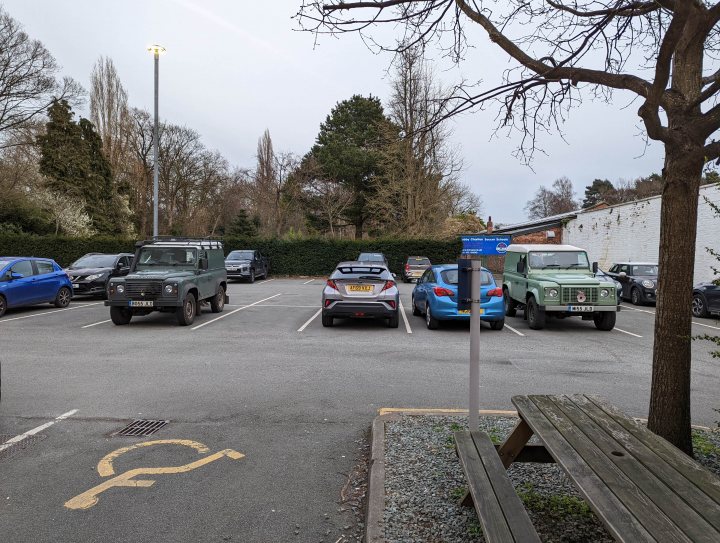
x: 142, y: 428
x: 18, y: 446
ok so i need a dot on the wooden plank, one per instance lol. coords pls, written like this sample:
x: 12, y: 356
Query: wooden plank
x: 513, y: 508
x: 606, y: 504
x: 536, y: 454
x: 668, y: 472
x: 514, y: 443
x: 693, y: 471
x: 652, y: 488
x: 495, y: 527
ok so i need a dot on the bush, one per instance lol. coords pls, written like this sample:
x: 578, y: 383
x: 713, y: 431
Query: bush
x: 287, y: 257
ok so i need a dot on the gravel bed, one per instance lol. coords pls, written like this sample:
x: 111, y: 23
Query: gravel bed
x: 424, y: 480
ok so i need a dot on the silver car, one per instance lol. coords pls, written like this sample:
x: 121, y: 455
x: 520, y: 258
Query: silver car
x: 360, y: 290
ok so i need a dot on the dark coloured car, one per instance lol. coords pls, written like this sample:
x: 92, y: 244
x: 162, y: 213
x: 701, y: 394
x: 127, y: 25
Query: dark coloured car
x: 414, y: 267
x: 638, y: 280
x: 90, y: 273
x: 706, y: 300
x: 247, y: 264
x: 29, y: 281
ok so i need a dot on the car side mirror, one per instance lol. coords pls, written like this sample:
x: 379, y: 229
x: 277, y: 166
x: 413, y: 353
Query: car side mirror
x: 595, y: 267
x: 622, y: 274
x: 14, y: 275
x: 394, y: 276
x: 203, y: 264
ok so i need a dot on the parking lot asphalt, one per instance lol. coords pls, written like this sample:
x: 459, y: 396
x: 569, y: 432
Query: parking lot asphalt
x: 280, y: 401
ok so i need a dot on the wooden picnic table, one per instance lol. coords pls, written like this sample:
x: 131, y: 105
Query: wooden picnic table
x: 641, y: 487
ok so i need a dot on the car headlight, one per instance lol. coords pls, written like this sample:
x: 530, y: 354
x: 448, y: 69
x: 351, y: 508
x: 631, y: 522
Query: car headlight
x: 94, y: 276
x: 648, y: 284
x: 604, y: 293
x: 551, y: 293
x: 170, y: 290
x: 120, y: 289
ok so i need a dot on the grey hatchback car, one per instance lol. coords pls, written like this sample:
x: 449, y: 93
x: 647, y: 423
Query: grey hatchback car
x: 361, y: 290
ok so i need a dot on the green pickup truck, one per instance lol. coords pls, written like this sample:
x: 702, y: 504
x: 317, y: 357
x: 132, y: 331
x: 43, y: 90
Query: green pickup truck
x: 174, y: 275
x: 556, y: 281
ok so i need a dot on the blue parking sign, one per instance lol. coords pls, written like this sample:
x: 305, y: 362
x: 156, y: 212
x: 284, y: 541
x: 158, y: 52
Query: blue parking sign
x: 485, y: 244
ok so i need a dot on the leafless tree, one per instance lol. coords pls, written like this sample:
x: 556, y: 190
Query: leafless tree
x: 28, y: 78
x: 662, y: 51
x: 548, y: 202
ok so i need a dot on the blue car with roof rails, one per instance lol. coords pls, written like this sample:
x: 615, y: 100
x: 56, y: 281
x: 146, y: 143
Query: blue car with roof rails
x: 435, y: 298
x: 29, y: 281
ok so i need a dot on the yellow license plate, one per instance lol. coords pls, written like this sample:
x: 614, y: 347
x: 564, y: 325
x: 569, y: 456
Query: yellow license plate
x: 467, y: 312
x: 359, y: 288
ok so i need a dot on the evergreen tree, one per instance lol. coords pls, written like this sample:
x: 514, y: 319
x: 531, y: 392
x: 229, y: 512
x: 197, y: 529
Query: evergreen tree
x: 597, y: 192
x: 241, y: 226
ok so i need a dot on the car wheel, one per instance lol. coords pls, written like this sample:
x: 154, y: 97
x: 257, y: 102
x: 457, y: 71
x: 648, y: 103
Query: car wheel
x: 416, y: 311
x: 699, y: 309
x: 394, y: 321
x: 185, y: 314
x: 535, y: 317
x: 63, y: 297
x: 3, y: 306
x: 510, y: 304
x: 217, y: 302
x: 327, y: 320
x: 497, y: 325
x: 432, y: 322
x: 120, y: 315
x: 635, y: 297
x: 605, y: 321
x: 251, y: 279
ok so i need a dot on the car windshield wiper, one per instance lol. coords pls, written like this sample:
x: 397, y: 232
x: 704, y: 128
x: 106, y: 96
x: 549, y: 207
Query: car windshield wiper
x: 551, y: 266
x: 577, y: 265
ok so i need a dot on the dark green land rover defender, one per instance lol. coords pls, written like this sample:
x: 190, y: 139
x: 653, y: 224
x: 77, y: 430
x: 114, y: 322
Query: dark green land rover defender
x: 173, y: 275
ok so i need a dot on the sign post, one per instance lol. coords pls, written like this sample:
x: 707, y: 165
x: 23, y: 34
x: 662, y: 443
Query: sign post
x: 469, y: 281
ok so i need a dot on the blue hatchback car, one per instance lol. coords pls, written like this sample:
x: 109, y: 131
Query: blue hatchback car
x: 435, y: 297
x: 30, y: 281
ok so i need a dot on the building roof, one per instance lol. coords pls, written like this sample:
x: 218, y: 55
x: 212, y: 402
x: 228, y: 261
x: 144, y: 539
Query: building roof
x: 545, y: 247
x: 537, y: 225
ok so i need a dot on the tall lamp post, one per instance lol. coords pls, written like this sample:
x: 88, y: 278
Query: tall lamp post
x: 156, y: 50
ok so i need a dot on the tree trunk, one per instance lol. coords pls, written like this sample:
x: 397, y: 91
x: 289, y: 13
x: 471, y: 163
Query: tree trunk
x: 670, y: 393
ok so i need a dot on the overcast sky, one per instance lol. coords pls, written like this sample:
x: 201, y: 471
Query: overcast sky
x: 236, y: 67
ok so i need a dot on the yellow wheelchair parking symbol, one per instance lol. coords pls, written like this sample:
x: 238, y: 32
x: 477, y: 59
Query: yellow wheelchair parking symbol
x: 105, y: 468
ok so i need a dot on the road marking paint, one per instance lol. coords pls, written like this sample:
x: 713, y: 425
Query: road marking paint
x: 404, y: 316
x: 95, y: 324
x: 34, y: 431
x: 513, y: 330
x: 81, y: 306
x: 105, y: 469
x: 235, y: 311
x: 640, y: 310
x: 625, y: 332
x: 310, y: 320
x: 266, y: 280
x: 653, y: 312
x: 706, y: 325
x: 306, y: 282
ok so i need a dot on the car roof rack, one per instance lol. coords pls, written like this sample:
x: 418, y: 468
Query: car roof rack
x: 210, y: 242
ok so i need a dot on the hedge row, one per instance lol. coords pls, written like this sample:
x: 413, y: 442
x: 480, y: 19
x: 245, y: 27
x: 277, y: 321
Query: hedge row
x: 287, y: 257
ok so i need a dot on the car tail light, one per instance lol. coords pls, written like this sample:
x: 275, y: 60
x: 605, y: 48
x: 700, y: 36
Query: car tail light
x: 331, y: 284
x: 328, y: 302
x: 388, y: 284
x: 496, y: 292
x: 407, y: 267
x: 391, y: 303
x: 442, y: 291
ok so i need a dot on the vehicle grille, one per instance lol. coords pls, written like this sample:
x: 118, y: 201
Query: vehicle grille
x: 570, y: 294
x: 143, y: 290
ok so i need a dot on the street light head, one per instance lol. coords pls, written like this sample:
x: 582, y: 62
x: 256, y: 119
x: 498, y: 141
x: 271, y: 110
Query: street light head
x: 156, y: 49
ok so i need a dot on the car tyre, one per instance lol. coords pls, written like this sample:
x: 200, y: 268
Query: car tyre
x: 699, y: 307
x: 535, y: 317
x: 63, y: 297
x: 510, y: 304
x: 416, y: 311
x: 635, y: 296
x: 431, y: 322
x: 120, y: 315
x: 185, y: 314
x: 394, y: 321
x: 605, y: 321
x: 3, y: 306
x: 251, y: 279
x: 497, y: 325
x: 327, y: 320
x: 217, y: 302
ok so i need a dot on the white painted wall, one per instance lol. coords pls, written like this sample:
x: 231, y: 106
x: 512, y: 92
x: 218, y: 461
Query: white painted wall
x: 632, y: 232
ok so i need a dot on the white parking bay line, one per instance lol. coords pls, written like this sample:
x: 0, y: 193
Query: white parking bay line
x: 626, y: 332
x: 624, y: 307
x: 236, y: 310
x: 404, y: 316
x: 306, y: 282
x: 653, y: 312
x: 310, y: 320
x: 513, y: 330
x: 34, y: 431
x: 95, y: 324
x: 48, y: 312
x: 265, y: 281
x: 706, y: 325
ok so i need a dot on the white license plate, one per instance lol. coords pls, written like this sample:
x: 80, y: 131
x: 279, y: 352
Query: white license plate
x: 580, y: 308
x: 141, y: 303
x: 75, y: 285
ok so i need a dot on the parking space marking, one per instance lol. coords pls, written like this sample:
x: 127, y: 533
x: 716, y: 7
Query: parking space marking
x: 235, y: 311
x: 310, y: 320
x: 34, y: 431
x: 625, y: 332
x: 95, y: 324
x: 48, y: 312
x: 265, y: 281
x: 653, y: 312
x: 404, y: 316
x: 513, y: 330
x: 307, y: 282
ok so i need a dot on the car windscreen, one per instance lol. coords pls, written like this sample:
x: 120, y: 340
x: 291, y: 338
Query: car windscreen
x: 541, y: 260
x: 418, y: 261
x: 165, y: 256
x: 4, y: 263
x: 451, y: 277
x: 240, y: 255
x: 649, y: 270
x: 94, y: 261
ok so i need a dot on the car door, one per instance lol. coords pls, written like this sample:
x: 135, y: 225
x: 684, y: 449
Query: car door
x: 47, y: 282
x: 420, y: 292
x: 21, y: 291
x: 712, y: 295
x: 428, y: 286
